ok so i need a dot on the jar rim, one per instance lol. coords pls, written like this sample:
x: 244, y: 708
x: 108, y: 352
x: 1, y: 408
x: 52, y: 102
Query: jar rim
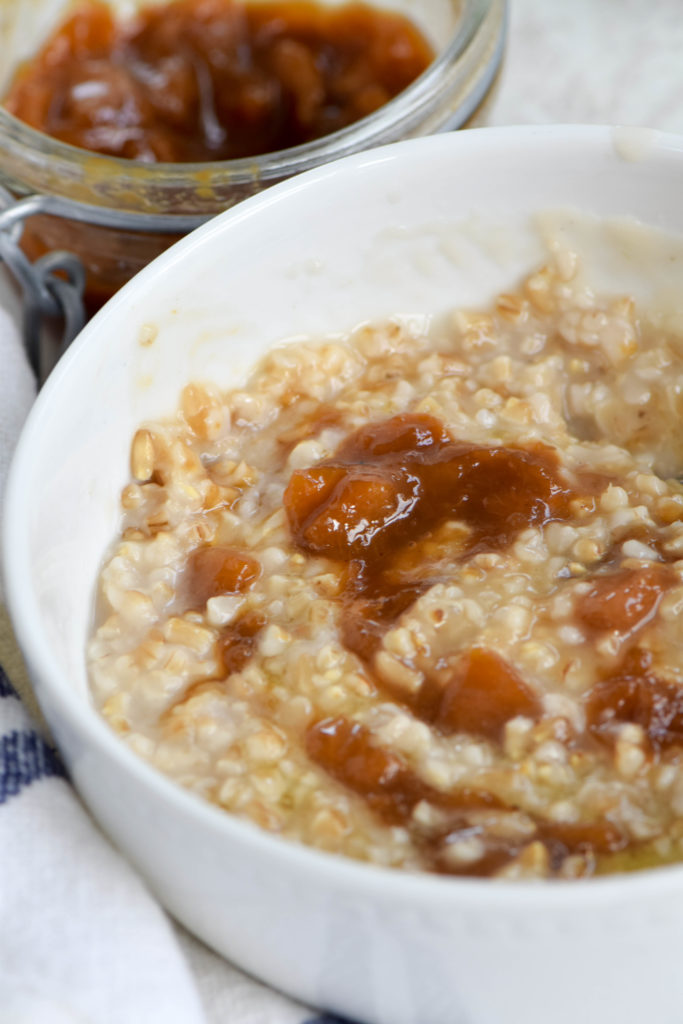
x: 25, y: 151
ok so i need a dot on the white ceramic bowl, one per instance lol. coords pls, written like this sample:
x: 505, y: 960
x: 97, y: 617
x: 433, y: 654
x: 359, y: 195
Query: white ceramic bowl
x: 417, y: 227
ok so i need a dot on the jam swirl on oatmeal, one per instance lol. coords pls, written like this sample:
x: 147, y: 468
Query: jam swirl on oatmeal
x: 414, y: 596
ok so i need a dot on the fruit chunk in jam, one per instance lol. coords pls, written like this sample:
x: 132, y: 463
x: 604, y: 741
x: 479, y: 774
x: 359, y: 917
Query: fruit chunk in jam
x: 391, y: 483
x: 213, y: 570
x: 623, y: 601
x: 237, y: 641
x: 483, y: 694
x: 634, y: 694
x: 347, y: 751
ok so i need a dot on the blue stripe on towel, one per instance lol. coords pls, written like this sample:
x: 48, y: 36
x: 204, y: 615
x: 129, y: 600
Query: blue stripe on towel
x: 25, y: 757
x: 24, y: 754
x: 6, y: 688
x: 328, y: 1018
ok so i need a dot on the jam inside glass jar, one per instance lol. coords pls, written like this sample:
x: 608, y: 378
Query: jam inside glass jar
x: 130, y: 210
x: 203, y: 80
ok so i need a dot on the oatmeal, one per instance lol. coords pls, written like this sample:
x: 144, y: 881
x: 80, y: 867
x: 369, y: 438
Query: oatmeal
x: 414, y: 596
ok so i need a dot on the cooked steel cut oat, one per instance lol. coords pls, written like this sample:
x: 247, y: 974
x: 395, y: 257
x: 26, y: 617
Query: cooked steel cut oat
x: 415, y: 597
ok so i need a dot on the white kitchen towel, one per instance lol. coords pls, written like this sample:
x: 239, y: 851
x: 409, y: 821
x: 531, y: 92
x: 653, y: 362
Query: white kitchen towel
x: 82, y: 941
x: 80, y: 938
x: 17, y: 387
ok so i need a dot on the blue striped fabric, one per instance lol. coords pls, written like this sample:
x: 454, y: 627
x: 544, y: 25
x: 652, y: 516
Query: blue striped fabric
x: 6, y: 688
x: 328, y: 1018
x: 25, y: 757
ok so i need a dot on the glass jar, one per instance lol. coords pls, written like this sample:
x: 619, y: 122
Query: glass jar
x: 116, y: 215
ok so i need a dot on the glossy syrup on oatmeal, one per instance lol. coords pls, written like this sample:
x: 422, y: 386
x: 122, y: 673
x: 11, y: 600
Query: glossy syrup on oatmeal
x: 415, y: 598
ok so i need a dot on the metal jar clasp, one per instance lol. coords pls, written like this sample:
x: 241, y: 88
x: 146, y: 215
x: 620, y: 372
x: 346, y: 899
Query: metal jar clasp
x: 51, y: 288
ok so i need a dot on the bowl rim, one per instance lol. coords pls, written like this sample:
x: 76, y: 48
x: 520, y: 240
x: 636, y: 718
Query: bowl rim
x: 384, y: 883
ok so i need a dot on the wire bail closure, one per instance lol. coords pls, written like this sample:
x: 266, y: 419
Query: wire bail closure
x: 51, y: 288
